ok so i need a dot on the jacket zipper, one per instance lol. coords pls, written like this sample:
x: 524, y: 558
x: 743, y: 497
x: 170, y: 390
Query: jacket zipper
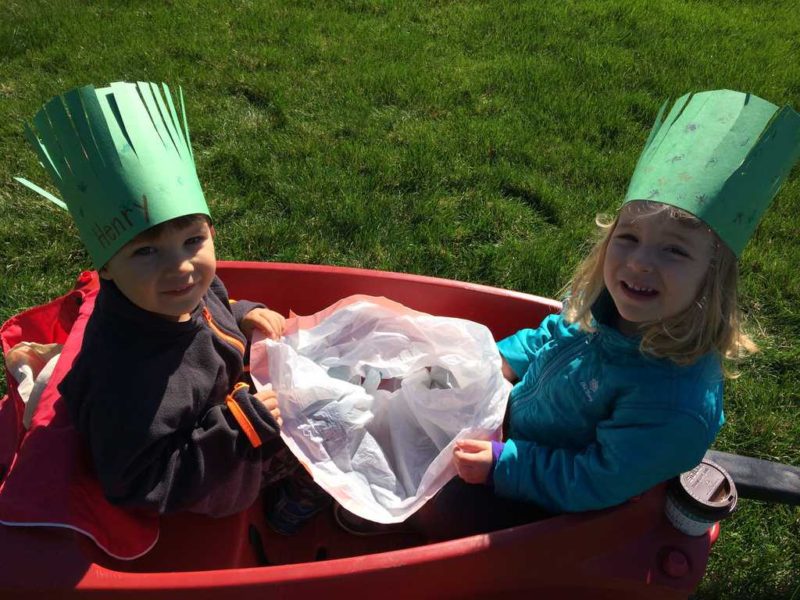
x: 230, y: 401
x: 555, y: 364
x: 220, y: 333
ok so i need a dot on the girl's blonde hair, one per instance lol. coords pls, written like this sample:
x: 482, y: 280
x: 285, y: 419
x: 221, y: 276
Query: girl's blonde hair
x: 712, y: 323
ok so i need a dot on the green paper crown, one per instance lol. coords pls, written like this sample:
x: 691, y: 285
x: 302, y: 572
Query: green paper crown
x: 122, y: 160
x: 721, y: 156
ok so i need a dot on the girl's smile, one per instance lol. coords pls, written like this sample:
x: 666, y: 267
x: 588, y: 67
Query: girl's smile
x: 638, y: 291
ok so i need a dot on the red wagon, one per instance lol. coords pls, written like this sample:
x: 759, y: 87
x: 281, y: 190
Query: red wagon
x: 630, y: 551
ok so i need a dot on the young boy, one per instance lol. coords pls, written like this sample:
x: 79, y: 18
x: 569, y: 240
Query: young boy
x: 157, y: 388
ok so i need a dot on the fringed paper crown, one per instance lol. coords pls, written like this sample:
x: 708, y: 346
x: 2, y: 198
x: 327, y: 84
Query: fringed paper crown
x: 721, y: 156
x: 121, y: 158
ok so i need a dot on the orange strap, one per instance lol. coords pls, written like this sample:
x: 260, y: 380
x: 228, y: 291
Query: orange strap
x: 240, y: 417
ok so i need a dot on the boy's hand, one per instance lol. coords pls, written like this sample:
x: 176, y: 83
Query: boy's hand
x: 268, y: 321
x: 270, y: 399
x: 473, y: 460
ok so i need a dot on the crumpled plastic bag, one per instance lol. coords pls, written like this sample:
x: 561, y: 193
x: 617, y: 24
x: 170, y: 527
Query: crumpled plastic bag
x: 373, y: 396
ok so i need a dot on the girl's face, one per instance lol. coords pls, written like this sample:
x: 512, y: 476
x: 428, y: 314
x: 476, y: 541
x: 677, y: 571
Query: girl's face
x: 167, y: 274
x: 655, y: 265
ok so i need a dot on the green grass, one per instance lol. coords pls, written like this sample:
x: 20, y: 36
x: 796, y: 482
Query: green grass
x: 468, y: 140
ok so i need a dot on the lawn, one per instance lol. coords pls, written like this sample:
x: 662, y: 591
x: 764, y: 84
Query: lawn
x: 468, y: 140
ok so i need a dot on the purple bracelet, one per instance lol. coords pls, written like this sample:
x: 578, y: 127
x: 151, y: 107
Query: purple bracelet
x: 497, y: 450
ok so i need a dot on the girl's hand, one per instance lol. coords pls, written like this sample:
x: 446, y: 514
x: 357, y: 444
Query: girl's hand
x: 508, y: 372
x: 473, y: 460
x: 270, y: 399
x: 268, y: 321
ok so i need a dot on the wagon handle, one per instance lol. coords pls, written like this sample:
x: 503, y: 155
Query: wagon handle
x: 758, y: 479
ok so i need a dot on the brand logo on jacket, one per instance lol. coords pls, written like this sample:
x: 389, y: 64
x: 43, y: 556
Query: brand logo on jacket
x: 589, y: 389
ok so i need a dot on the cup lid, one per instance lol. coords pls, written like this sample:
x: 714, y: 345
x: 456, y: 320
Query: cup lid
x: 707, y: 489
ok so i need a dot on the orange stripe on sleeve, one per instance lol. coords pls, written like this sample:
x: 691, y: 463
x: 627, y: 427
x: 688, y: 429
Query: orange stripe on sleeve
x: 241, y: 418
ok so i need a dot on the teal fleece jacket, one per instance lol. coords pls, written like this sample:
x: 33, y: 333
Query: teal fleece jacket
x: 593, y: 421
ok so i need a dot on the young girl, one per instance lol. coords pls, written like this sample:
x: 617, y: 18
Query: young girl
x: 623, y: 389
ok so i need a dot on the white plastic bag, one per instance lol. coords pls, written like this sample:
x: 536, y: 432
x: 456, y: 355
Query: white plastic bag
x: 373, y: 396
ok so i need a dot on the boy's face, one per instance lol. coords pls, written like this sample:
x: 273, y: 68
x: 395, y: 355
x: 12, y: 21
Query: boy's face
x: 166, y: 274
x: 654, y: 265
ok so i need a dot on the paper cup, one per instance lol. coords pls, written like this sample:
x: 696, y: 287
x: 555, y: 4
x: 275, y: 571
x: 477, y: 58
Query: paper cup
x: 699, y: 498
